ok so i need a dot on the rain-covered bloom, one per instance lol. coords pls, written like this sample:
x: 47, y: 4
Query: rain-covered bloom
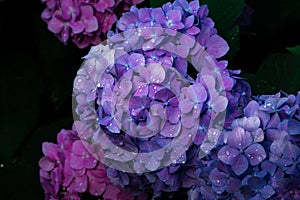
x: 83, y: 22
x: 257, y: 154
x: 69, y: 171
x: 164, y: 103
x: 256, y: 188
x: 241, y: 150
x: 148, y: 105
x: 159, y: 129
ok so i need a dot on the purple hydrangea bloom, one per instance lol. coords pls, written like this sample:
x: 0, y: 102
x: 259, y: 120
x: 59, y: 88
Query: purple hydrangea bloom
x: 240, y: 150
x: 214, y: 44
x: 138, y: 96
x: 223, y: 180
x: 257, y: 188
x: 142, y: 94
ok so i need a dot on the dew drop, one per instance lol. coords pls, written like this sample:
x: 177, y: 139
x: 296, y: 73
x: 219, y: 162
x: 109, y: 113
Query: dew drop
x: 259, y: 158
x: 227, y: 153
x: 269, y: 104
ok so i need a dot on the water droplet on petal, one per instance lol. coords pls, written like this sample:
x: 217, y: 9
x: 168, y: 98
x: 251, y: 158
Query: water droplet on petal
x: 259, y: 158
x: 227, y: 152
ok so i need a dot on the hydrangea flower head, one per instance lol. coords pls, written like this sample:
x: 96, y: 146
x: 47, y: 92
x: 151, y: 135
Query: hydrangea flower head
x: 150, y: 96
x: 256, y: 156
x: 69, y: 171
x: 151, y: 117
x: 83, y: 22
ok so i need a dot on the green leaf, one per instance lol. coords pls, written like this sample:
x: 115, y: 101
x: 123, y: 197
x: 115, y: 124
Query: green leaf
x: 158, y: 3
x: 281, y: 70
x: 294, y: 50
x: 233, y: 39
x: 224, y: 13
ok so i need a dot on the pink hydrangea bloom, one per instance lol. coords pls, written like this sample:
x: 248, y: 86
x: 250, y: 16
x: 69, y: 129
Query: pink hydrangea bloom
x: 69, y: 171
x: 84, y: 22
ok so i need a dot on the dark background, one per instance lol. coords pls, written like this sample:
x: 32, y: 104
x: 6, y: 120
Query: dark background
x: 37, y: 73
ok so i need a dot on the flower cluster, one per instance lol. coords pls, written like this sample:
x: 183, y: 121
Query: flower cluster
x: 160, y: 129
x: 148, y: 92
x: 85, y: 22
x: 69, y: 171
x: 258, y: 156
